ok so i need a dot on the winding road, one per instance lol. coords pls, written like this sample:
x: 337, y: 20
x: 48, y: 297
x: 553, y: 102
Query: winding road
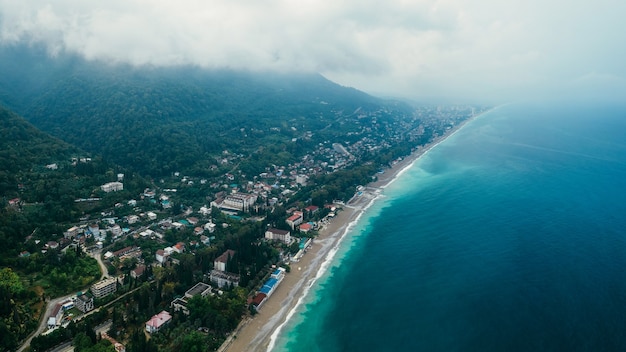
x: 51, y: 303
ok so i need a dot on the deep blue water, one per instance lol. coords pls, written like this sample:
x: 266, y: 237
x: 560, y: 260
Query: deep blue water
x: 508, y: 236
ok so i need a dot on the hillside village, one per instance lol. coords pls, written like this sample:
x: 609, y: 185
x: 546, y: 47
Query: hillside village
x: 186, y: 219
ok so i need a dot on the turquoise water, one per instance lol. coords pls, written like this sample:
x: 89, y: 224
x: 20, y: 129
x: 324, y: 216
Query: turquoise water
x: 510, y: 235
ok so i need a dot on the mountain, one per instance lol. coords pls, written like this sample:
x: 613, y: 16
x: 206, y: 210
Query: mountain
x: 40, y: 179
x: 160, y: 120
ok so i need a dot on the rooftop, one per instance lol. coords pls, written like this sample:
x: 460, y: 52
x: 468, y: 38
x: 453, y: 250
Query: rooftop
x: 224, y: 257
x: 197, y: 289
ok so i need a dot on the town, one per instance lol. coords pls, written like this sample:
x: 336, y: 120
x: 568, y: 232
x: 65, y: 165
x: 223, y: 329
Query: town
x: 231, y: 237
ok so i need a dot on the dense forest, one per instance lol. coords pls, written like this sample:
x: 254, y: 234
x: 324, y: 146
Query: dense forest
x: 40, y: 179
x: 157, y: 121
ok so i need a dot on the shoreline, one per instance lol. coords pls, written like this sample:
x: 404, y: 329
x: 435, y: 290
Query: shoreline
x: 260, y: 332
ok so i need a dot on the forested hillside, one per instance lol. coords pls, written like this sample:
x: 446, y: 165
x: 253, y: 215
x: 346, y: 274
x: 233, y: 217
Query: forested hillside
x: 157, y: 121
x: 40, y: 179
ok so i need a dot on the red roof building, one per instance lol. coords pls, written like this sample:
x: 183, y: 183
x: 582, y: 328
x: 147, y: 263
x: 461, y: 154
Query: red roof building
x: 157, y: 322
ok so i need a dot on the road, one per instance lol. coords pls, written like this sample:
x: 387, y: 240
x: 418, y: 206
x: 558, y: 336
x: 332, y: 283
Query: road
x: 96, y: 255
x: 68, y: 347
x: 43, y: 321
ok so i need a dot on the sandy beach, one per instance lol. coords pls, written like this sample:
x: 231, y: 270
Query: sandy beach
x: 255, y: 334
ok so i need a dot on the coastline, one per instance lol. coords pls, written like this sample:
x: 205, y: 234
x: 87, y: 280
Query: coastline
x: 259, y: 333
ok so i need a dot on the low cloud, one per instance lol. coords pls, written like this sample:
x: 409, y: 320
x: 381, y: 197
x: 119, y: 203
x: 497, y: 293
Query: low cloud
x: 488, y: 50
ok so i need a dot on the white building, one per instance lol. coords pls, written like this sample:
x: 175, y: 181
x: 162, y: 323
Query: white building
x: 112, y: 187
x: 301, y: 179
x: 220, y: 262
x: 84, y: 303
x: 238, y: 201
x: 278, y: 235
x: 104, y: 287
x: 222, y: 278
x: 295, y: 220
x: 132, y: 219
x: 157, y: 322
x: 161, y: 256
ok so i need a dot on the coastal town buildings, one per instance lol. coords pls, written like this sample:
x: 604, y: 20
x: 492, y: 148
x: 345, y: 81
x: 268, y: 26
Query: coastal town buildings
x: 274, y: 188
x: 199, y: 289
x: 112, y: 187
x: 296, y: 219
x: 84, y: 303
x: 273, y: 234
x: 268, y: 288
x: 221, y: 262
x: 104, y: 288
x: 236, y: 201
x: 224, y: 279
x: 158, y: 322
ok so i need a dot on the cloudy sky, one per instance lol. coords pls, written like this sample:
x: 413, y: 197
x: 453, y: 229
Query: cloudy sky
x: 487, y: 50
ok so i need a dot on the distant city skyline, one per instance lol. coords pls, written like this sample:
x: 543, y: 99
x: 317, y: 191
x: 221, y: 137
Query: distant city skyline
x: 462, y: 51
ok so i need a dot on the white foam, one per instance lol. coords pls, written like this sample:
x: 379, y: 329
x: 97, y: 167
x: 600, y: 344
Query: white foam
x: 343, y: 232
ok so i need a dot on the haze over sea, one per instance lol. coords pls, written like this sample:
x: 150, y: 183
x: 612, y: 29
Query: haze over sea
x: 510, y: 235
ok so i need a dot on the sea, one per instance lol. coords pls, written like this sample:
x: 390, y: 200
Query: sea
x: 510, y: 235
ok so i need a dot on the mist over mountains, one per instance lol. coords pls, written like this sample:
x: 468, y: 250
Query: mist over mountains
x: 160, y: 120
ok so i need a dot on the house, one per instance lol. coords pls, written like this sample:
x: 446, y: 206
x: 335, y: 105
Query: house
x: 198, y: 231
x: 104, y: 288
x: 295, y: 220
x: 14, y: 202
x: 205, y: 240
x: 258, y: 300
x: 301, y: 179
x: 132, y: 219
x: 178, y: 226
x: 149, y: 193
x: 157, y: 322
x: 179, y: 247
x: 146, y: 233
x: 112, y: 187
x: 312, y: 209
x: 220, y: 262
x: 115, y: 230
x: 84, y: 303
x: 52, y: 245
x: 94, y: 229
x: 161, y: 256
x: 273, y: 234
x: 209, y: 226
x: 151, y: 215
x: 128, y: 251
x: 138, y: 271
x: 306, y: 227
x: 72, y: 232
x: 55, y: 316
x: 205, y: 211
x: 192, y: 221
